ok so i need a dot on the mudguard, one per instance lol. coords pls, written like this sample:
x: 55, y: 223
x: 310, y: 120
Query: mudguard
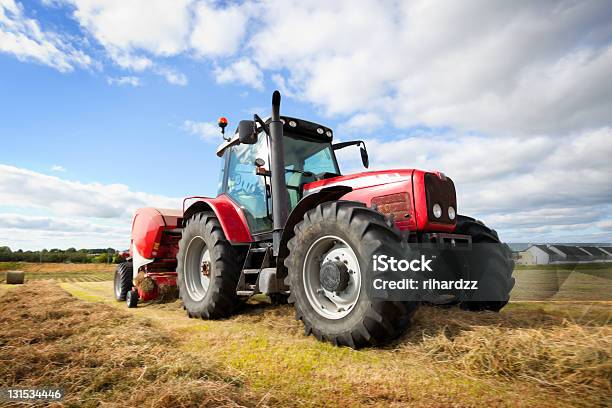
x: 230, y: 216
x: 297, y: 214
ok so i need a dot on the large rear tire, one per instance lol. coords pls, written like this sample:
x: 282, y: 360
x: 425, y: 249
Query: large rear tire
x: 208, y: 269
x: 490, y: 263
x: 123, y: 280
x: 332, y: 235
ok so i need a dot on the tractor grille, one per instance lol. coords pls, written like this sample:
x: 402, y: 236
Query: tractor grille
x: 441, y: 191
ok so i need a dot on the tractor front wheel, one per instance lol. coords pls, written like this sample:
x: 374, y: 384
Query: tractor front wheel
x: 208, y: 269
x: 490, y: 263
x: 328, y: 258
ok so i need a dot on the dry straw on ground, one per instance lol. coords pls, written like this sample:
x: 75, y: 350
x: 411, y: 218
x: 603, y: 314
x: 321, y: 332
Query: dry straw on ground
x: 102, y: 356
x: 553, y: 351
x: 544, y: 355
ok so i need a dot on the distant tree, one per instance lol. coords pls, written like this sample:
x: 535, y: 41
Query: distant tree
x: 102, y: 258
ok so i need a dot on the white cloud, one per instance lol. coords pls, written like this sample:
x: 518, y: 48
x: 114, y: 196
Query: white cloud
x: 134, y: 33
x: 605, y: 225
x: 520, y: 69
x: 29, y: 189
x: 206, y: 130
x: 55, y: 212
x: 362, y: 123
x: 159, y: 27
x: 172, y: 76
x: 283, y: 86
x: 243, y: 72
x: 128, y: 60
x: 58, y: 168
x: 24, y: 38
x: 34, y: 232
x: 55, y: 224
x: 513, y: 184
x: 124, y: 80
x: 218, y: 31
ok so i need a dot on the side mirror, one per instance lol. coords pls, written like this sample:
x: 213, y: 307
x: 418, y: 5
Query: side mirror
x: 247, y: 132
x: 364, y: 157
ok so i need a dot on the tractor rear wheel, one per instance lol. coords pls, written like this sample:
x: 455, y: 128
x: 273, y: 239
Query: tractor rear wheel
x: 328, y: 258
x: 489, y: 263
x: 208, y: 269
x: 123, y: 280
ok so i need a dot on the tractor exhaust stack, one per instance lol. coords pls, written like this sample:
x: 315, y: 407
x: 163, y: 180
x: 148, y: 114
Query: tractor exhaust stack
x: 280, y: 195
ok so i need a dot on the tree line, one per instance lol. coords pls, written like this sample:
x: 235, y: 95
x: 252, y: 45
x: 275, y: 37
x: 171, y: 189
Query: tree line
x: 96, y: 255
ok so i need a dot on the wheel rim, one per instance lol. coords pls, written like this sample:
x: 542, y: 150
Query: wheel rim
x: 197, y: 268
x: 330, y: 304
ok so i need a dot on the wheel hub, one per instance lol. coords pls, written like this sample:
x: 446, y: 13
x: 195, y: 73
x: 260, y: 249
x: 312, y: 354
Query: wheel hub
x: 206, y: 268
x: 334, y: 276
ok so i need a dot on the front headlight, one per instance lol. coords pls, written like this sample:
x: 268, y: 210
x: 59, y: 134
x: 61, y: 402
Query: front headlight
x: 451, y: 213
x: 437, y: 210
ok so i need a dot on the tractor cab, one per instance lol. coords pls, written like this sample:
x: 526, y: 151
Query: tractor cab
x: 245, y: 175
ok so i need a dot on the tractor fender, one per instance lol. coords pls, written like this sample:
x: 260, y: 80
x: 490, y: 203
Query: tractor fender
x: 297, y: 214
x: 230, y: 216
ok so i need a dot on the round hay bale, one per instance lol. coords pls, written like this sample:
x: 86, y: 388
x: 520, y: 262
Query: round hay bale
x: 148, y: 284
x: 15, y: 277
x: 145, y: 283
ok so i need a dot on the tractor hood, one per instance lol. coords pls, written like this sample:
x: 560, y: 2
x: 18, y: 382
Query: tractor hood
x: 361, y: 180
x: 407, y: 195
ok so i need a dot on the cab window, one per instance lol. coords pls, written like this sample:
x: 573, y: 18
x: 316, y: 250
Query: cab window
x: 304, y: 159
x: 248, y: 189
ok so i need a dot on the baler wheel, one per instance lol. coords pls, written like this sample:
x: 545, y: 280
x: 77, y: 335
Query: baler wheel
x: 123, y: 280
x: 208, y: 269
x: 333, y: 245
x: 132, y: 298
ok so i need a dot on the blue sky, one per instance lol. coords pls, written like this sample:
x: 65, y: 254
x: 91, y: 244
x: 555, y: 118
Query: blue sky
x: 111, y: 105
x: 119, y: 133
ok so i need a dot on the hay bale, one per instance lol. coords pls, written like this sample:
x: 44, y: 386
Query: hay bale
x: 145, y: 283
x: 148, y: 284
x: 15, y: 277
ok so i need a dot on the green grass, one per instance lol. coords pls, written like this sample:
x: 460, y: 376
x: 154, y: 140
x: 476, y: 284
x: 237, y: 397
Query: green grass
x: 9, y: 266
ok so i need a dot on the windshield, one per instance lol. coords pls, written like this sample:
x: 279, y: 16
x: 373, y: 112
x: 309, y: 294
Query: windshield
x: 304, y: 160
x: 309, y: 156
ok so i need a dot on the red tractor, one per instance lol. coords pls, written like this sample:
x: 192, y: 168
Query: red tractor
x: 287, y: 224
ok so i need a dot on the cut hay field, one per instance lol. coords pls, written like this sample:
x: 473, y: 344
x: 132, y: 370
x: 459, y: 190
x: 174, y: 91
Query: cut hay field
x: 582, y: 282
x: 61, y: 272
x: 74, y: 335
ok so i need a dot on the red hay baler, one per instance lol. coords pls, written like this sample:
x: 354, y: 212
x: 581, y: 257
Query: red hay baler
x: 152, y: 257
x: 286, y: 223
